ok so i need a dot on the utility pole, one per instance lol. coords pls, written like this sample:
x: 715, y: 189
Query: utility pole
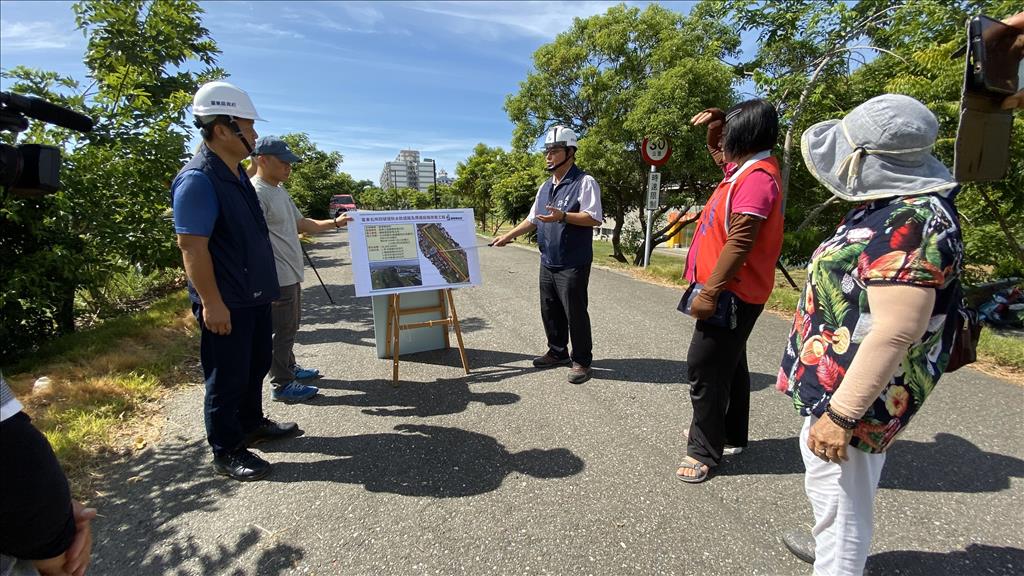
x: 433, y: 163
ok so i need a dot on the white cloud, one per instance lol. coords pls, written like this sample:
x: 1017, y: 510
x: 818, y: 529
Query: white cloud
x: 26, y: 36
x: 264, y: 29
x: 344, y: 17
x: 364, y: 14
x: 493, y: 20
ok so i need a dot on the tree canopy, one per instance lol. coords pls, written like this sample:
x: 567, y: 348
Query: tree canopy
x: 618, y: 77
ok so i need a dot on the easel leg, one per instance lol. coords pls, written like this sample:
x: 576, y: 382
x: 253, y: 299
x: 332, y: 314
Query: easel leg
x: 390, y: 321
x: 396, y: 333
x: 444, y: 315
x: 458, y: 329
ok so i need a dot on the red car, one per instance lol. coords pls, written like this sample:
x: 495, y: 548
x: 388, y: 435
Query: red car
x: 341, y: 203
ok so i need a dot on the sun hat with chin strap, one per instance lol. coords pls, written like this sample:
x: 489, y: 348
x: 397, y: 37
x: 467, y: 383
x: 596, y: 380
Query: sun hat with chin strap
x: 881, y: 149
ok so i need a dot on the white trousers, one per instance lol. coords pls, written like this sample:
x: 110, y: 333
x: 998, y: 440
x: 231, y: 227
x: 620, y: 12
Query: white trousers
x: 843, y: 499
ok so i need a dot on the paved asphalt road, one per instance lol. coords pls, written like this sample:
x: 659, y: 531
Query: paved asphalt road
x: 514, y: 471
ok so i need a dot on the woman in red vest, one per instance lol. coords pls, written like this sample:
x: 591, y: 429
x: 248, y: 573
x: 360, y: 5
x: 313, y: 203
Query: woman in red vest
x: 731, y: 269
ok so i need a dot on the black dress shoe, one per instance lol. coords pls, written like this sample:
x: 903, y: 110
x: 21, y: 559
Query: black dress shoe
x: 801, y: 544
x: 269, y: 430
x: 241, y: 465
x: 549, y: 361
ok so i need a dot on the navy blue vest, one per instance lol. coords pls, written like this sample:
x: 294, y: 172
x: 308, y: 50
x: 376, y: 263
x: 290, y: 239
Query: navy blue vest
x: 243, y: 260
x: 564, y: 245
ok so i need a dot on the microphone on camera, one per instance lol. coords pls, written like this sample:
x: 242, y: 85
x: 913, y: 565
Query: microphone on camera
x: 42, y: 110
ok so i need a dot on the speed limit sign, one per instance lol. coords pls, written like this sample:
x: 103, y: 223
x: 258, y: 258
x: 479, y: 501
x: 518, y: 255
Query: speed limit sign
x: 656, y: 151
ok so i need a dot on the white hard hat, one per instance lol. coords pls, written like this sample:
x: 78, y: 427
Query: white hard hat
x: 223, y: 98
x: 560, y: 136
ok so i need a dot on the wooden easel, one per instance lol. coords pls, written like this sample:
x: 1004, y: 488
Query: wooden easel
x: 448, y: 320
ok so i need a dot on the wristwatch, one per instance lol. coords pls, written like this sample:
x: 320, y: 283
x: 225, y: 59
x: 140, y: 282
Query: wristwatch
x: 564, y: 214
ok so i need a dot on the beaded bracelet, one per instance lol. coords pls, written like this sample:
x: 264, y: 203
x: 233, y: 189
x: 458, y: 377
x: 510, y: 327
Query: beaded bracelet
x: 843, y: 422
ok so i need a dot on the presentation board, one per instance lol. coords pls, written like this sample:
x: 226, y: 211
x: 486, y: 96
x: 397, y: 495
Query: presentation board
x: 413, y: 250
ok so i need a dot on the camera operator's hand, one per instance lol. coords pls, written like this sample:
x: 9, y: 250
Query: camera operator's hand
x: 217, y: 318
x: 78, y: 555
x: 1016, y: 52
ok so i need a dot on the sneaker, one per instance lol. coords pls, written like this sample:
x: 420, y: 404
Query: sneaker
x: 270, y: 430
x: 801, y: 544
x: 293, y: 392
x: 578, y: 374
x: 241, y: 465
x: 306, y: 373
x: 550, y: 361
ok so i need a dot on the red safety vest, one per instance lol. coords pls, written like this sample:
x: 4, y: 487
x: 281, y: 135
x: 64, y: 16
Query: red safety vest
x: 756, y: 278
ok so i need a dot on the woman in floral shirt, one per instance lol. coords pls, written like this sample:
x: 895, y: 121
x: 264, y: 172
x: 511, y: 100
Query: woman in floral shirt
x: 871, y: 337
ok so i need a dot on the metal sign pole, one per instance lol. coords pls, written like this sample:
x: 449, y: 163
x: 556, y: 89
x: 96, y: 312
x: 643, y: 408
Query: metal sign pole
x: 650, y: 214
x: 656, y: 152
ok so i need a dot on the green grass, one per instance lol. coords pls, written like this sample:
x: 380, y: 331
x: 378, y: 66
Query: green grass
x: 103, y: 379
x: 1005, y: 351
x: 1002, y: 351
x: 106, y: 336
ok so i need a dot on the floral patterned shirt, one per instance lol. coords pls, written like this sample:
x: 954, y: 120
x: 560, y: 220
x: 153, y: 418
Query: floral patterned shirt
x: 909, y: 240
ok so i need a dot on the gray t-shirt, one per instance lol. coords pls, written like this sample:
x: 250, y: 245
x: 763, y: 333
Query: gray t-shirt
x: 282, y: 219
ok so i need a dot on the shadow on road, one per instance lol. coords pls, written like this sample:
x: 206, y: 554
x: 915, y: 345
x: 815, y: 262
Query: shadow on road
x: 484, y: 365
x: 910, y: 465
x: 976, y: 559
x: 420, y: 460
x: 942, y: 465
x: 658, y: 371
x: 144, y: 497
x: 422, y: 399
x: 644, y: 370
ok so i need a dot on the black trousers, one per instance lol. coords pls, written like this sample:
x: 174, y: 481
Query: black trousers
x: 563, y: 309
x: 234, y: 367
x: 720, y: 385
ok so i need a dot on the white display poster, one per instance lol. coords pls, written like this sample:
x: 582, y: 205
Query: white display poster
x: 413, y: 250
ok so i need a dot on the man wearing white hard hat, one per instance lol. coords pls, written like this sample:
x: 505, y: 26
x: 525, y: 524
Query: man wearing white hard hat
x: 232, y: 279
x: 564, y: 213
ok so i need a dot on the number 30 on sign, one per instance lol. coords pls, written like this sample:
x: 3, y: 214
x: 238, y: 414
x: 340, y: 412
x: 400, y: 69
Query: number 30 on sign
x: 656, y: 151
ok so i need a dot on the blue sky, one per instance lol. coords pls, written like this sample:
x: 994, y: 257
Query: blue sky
x: 364, y: 79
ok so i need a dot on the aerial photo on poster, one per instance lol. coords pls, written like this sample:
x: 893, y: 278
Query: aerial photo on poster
x: 413, y: 250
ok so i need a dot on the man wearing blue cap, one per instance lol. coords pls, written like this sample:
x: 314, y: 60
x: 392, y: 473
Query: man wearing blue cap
x: 273, y: 160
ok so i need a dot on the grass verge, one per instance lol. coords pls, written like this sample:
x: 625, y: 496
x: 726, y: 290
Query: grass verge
x: 999, y: 355
x: 102, y: 380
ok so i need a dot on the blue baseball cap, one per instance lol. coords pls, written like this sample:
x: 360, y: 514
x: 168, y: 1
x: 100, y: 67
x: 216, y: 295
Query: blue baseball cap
x: 274, y: 146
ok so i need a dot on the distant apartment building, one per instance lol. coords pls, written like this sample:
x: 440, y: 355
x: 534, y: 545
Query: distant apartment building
x: 407, y: 171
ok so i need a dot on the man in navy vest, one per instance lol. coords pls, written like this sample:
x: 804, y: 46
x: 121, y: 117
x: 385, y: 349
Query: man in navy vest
x: 232, y: 279
x: 566, y: 209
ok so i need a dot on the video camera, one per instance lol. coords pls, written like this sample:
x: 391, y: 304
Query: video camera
x: 32, y: 170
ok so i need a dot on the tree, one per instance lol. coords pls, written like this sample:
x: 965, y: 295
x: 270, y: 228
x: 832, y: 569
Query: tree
x: 108, y: 215
x: 475, y: 180
x: 927, y: 34
x: 520, y: 174
x: 813, y: 60
x: 318, y: 177
x: 618, y: 77
x: 395, y: 199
